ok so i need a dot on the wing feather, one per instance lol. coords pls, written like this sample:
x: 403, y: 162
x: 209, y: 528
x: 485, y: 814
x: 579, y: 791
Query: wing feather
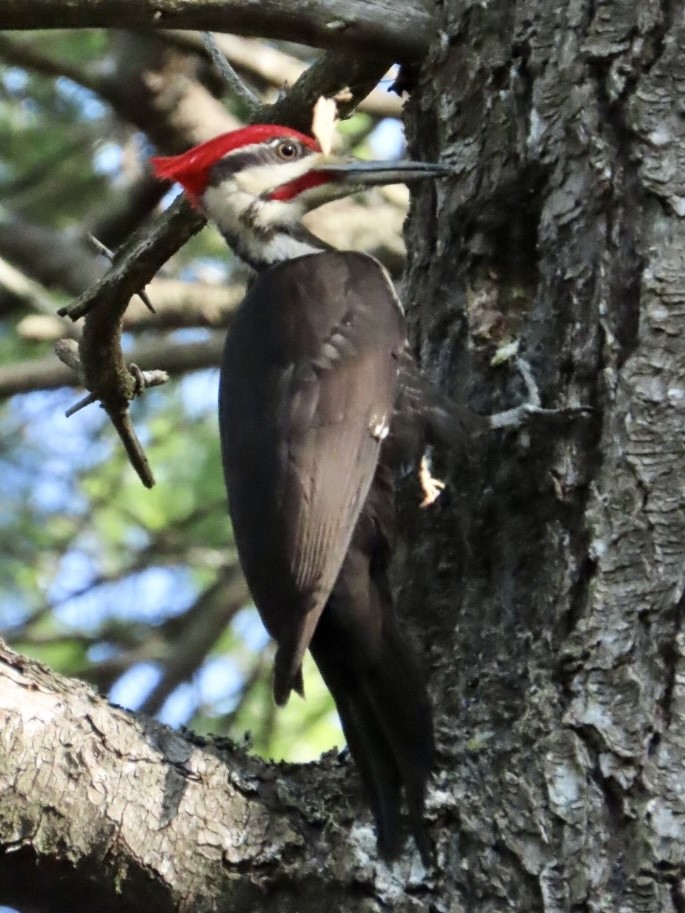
x: 308, y: 381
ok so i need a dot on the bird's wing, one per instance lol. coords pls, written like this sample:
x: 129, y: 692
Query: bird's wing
x: 307, y: 393
x: 336, y: 421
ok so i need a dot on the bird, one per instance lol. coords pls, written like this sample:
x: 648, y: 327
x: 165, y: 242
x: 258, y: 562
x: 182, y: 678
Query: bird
x: 317, y: 389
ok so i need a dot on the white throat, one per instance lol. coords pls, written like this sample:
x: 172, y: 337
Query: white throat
x: 261, y: 231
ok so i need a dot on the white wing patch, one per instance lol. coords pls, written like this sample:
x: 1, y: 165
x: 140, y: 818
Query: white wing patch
x: 379, y: 427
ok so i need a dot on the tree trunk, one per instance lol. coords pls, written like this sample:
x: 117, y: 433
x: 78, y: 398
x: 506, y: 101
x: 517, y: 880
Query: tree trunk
x: 546, y: 585
x: 550, y: 581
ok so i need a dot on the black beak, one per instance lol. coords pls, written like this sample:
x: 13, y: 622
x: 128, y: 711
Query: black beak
x: 368, y: 174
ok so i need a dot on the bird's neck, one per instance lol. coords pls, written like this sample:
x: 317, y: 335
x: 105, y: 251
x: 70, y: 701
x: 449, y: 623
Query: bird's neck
x: 262, y: 233
x: 260, y: 250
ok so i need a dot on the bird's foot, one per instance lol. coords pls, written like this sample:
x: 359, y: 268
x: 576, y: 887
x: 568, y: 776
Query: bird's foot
x: 521, y: 415
x: 431, y: 487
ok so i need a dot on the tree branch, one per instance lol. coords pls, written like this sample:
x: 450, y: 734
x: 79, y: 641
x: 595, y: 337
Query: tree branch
x: 276, y: 68
x: 401, y: 31
x: 238, y: 88
x: 336, y: 70
x: 105, y: 373
x: 173, y: 357
x: 101, y: 809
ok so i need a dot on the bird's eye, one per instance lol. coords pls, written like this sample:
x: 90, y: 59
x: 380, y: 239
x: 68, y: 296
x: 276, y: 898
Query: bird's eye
x: 287, y: 150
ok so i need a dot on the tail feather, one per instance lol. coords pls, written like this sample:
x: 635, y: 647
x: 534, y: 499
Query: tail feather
x: 371, y: 752
x: 286, y: 679
x: 400, y: 704
x: 381, y: 698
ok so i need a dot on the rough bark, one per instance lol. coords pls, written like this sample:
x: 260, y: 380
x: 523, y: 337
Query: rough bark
x: 555, y: 571
x: 103, y: 810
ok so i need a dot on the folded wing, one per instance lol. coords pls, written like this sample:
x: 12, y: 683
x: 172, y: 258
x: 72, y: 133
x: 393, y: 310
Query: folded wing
x: 308, y: 386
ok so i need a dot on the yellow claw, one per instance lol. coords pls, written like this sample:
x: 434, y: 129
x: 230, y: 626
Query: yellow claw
x: 432, y: 488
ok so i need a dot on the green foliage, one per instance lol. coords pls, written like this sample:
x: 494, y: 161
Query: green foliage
x: 52, y: 130
x: 99, y: 577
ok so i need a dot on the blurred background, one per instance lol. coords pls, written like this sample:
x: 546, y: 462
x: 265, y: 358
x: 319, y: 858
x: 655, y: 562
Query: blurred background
x: 136, y: 591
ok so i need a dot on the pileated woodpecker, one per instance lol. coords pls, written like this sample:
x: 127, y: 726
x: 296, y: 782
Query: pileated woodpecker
x: 309, y: 383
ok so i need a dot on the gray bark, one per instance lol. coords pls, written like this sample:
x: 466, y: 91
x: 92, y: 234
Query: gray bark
x: 103, y: 810
x: 556, y: 572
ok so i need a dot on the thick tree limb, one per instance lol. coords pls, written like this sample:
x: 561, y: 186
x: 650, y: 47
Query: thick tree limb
x: 399, y: 30
x: 95, y: 799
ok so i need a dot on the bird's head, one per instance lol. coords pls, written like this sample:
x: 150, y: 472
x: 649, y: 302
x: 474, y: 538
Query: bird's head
x: 256, y: 183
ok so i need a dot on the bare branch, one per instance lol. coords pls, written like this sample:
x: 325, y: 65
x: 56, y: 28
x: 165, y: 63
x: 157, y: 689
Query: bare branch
x: 278, y: 69
x: 111, y: 256
x: 105, y: 372
x: 138, y: 261
x: 67, y: 351
x: 228, y: 74
x: 401, y: 31
x: 121, y: 420
x: 335, y: 71
x: 173, y: 357
x: 81, y: 404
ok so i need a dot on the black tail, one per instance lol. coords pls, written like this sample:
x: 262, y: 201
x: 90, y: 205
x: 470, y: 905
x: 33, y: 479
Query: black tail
x: 380, y: 694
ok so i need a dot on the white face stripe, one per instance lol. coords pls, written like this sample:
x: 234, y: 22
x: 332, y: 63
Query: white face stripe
x: 251, y: 225
x: 227, y: 204
x: 260, y: 230
x: 262, y: 178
